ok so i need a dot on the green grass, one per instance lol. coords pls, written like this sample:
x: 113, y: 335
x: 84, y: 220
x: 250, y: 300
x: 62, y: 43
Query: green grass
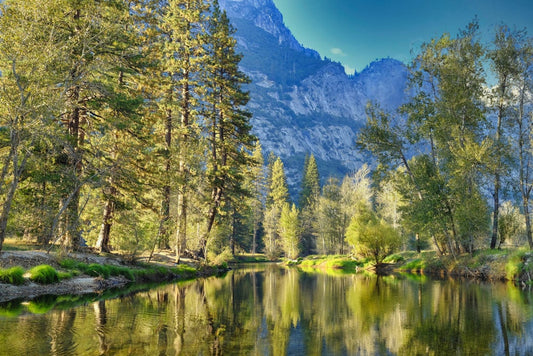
x: 14, y: 275
x: 338, y: 262
x: 258, y: 258
x: 97, y: 270
x: 516, y: 265
x: 416, y: 265
x: 394, y: 258
x: 44, y: 274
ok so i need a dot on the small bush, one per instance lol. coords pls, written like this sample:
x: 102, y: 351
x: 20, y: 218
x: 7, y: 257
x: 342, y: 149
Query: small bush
x: 14, y: 275
x: 44, y: 274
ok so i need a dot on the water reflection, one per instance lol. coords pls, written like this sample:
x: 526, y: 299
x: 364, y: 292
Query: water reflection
x: 269, y: 310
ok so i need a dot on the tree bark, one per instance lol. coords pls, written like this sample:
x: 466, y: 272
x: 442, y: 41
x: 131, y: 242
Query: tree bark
x: 102, y: 243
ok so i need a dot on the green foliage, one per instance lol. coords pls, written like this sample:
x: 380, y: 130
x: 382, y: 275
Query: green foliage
x: 97, y: 270
x: 13, y: 275
x: 278, y: 193
x: 517, y: 265
x: 510, y: 222
x: 371, y: 237
x: 394, y: 259
x: 94, y: 270
x: 416, y: 265
x: 44, y: 274
x: 290, y: 231
x: 310, y: 190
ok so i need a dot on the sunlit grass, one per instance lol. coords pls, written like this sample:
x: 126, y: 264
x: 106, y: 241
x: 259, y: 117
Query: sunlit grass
x: 14, y: 275
x: 44, y: 274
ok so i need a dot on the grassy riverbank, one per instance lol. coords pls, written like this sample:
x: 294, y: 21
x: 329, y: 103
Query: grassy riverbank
x: 26, y: 273
x: 492, y: 265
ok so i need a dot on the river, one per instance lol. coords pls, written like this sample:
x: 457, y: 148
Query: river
x: 270, y: 310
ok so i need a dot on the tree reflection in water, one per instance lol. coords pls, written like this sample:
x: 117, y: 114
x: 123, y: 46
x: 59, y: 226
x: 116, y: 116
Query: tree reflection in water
x: 269, y: 310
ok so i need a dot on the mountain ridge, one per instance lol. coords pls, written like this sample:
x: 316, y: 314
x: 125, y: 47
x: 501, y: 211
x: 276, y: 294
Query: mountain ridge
x: 302, y: 103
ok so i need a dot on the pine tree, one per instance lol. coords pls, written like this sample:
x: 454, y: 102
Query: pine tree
x: 278, y: 196
x: 256, y: 185
x: 310, y: 183
x: 290, y: 231
x: 227, y: 124
x: 184, y: 56
x: 309, y: 196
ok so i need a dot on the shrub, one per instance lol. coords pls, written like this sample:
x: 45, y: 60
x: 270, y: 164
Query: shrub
x: 44, y: 274
x: 371, y: 237
x: 14, y: 275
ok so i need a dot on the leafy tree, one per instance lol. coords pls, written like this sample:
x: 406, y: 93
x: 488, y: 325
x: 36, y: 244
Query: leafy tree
x: 371, y: 237
x: 330, y: 232
x: 505, y: 64
x: 511, y: 223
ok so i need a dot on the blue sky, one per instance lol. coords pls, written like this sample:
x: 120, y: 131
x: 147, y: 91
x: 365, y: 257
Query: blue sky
x: 356, y: 32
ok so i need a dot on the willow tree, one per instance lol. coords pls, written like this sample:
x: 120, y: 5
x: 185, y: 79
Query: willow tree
x: 227, y: 123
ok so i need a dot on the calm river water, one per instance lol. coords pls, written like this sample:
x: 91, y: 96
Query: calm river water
x: 269, y: 310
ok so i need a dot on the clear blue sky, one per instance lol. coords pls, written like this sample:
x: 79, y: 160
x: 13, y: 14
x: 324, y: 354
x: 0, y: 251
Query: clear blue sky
x: 356, y: 32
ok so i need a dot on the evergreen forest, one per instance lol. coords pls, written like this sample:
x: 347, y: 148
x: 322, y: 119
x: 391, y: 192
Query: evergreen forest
x: 124, y: 128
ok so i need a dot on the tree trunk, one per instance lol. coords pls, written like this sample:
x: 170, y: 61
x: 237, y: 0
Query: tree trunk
x: 211, y: 215
x: 181, y: 230
x: 528, y: 222
x: 497, y: 178
x: 17, y: 171
x: 109, y: 210
x: 495, y: 214
x: 162, y: 234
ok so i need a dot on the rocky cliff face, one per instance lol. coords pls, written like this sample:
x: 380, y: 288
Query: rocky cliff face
x: 304, y: 104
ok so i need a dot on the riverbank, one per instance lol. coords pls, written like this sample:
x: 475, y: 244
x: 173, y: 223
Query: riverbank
x: 489, y: 265
x: 26, y: 275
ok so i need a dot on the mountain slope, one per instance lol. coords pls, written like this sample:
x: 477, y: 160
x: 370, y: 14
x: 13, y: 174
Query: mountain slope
x: 304, y: 104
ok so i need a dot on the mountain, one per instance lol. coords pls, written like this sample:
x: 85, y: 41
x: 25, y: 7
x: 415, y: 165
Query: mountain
x: 302, y: 103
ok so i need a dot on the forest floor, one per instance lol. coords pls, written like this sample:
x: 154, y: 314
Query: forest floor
x: 161, y: 268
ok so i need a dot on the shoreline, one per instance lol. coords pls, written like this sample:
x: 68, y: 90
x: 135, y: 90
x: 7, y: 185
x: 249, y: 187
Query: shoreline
x: 82, y: 284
